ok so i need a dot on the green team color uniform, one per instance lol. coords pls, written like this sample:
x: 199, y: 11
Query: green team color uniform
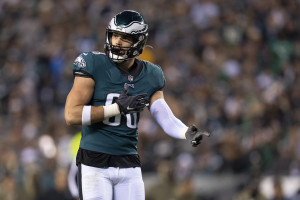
x: 117, y: 135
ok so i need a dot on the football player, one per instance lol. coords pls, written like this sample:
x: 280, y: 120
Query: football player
x: 109, y: 92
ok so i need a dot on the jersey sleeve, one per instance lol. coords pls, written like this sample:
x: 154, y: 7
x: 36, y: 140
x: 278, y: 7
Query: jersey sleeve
x: 84, y: 65
x: 161, y: 81
x: 157, y: 81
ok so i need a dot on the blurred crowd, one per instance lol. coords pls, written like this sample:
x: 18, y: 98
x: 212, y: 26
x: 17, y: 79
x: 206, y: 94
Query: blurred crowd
x: 231, y: 67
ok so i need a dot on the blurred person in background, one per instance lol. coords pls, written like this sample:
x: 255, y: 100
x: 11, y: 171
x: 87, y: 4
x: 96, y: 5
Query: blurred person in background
x: 8, y: 188
x: 73, y: 170
x: 109, y: 92
x: 60, y: 190
x: 165, y: 187
x: 278, y: 190
x: 168, y: 186
x: 250, y: 189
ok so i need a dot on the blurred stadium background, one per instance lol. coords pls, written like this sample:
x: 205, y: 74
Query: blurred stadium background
x: 231, y: 67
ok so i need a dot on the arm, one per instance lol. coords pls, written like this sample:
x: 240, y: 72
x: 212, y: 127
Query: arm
x: 77, y: 111
x: 170, y: 124
x: 157, y: 95
x: 165, y: 118
x: 80, y: 95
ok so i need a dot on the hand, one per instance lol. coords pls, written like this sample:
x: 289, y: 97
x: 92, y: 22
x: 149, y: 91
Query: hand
x: 195, y: 136
x: 131, y: 104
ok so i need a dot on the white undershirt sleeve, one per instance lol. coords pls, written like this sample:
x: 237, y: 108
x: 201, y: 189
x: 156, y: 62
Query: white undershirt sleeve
x: 166, y: 119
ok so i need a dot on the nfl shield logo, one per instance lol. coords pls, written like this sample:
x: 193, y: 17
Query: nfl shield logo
x: 130, y: 78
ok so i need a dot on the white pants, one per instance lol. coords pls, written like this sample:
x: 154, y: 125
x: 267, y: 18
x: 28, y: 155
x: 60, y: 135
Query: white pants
x: 110, y: 183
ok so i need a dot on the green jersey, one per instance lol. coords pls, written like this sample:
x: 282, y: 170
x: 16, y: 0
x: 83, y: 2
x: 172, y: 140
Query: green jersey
x: 117, y: 135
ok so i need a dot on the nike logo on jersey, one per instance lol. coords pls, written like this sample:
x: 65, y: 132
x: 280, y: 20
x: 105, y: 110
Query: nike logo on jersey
x: 128, y: 108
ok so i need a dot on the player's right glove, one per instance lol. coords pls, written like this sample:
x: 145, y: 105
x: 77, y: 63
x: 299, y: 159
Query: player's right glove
x: 131, y: 104
x: 194, y: 135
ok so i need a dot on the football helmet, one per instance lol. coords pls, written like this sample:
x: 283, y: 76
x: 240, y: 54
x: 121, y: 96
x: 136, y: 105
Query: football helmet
x: 131, y: 24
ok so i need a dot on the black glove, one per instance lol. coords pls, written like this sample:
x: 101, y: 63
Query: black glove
x: 195, y: 136
x: 131, y: 104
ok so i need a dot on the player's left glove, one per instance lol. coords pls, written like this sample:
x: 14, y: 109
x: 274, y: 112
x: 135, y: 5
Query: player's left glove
x: 194, y: 135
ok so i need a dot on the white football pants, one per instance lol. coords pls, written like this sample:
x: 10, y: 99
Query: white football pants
x: 110, y: 183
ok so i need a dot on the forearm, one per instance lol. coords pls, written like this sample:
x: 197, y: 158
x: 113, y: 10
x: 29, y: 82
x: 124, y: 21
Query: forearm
x: 166, y: 119
x: 73, y: 115
x: 86, y: 115
x: 97, y: 114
